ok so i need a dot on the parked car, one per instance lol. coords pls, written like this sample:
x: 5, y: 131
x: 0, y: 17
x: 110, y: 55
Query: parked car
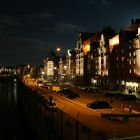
x: 72, y: 95
x: 112, y: 94
x: 90, y: 89
x: 99, y: 104
x: 68, y: 93
x: 127, y: 97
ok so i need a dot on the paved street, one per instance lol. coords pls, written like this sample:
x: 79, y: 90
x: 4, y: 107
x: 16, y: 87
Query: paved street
x: 92, y: 118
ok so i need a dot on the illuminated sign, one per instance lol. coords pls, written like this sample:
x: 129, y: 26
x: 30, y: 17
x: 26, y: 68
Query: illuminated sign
x: 113, y: 41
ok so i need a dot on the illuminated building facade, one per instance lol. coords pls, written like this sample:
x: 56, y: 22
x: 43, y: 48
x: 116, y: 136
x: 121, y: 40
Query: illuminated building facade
x: 125, y: 59
x: 62, y: 72
x: 82, y: 48
x: 92, y: 60
x: 51, y: 66
x: 71, y: 67
x: 97, y: 62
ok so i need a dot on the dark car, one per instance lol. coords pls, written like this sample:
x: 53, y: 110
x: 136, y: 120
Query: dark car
x: 72, y: 95
x: 99, y: 105
x: 127, y: 97
x: 68, y: 93
x: 90, y: 89
x: 64, y: 91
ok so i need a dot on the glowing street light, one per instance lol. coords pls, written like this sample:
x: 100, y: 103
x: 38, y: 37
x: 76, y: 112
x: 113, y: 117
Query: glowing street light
x: 58, y: 49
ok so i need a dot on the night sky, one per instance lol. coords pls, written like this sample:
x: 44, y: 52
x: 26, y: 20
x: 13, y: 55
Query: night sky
x: 29, y: 29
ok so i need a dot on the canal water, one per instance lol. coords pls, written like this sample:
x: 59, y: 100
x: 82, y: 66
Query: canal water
x: 13, y: 122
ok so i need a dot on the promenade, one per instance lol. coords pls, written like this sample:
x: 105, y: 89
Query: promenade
x: 115, y: 127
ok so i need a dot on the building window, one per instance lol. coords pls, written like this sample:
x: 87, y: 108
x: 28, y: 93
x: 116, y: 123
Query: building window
x: 134, y: 71
x: 129, y: 47
x: 130, y: 54
x: 122, y: 51
x: 130, y: 71
x: 101, y: 54
x: 134, y: 53
x: 122, y: 58
x: 117, y: 58
x: 134, y: 61
x: 91, y: 57
x: 130, y: 62
x: 102, y: 61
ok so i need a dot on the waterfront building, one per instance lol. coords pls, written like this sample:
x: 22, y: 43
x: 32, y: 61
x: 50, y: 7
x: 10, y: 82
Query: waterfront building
x: 92, y: 58
x: 124, y: 59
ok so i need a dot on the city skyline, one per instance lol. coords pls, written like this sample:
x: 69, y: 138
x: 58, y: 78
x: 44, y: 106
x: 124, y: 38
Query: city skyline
x: 29, y: 30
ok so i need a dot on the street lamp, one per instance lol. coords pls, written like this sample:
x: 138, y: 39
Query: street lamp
x: 58, y: 49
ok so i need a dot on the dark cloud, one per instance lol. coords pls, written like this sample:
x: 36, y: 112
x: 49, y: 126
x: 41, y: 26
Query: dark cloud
x: 38, y: 16
x: 29, y: 29
x: 67, y: 27
x: 105, y: 2
x: 96, y: 2
x: 8, y: 20
x: 22, y: 50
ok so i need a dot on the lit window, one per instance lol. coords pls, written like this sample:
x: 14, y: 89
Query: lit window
x: 134, y: 53
x: 129, y: 47
x: 130, y: 62
x: 134, y: 61
x: 130, y: 54
x: 130, y: 71
x: 134, y: 70
x: 117, y: 58
x: 122, y: 58
x: 91, y: 57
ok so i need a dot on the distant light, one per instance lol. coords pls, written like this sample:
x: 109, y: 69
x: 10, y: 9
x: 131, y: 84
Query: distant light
x: 65, y: 67
x: 58, y: 49
x: 43, y: 72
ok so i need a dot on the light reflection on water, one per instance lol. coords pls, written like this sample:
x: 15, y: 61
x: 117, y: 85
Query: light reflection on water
x: 8, y: 110
x: 15, y: 92
x: 13, y: 124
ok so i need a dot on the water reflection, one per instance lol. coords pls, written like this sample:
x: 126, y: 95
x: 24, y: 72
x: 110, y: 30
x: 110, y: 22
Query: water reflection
x: 13, y: 124
x: 15, y: 92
